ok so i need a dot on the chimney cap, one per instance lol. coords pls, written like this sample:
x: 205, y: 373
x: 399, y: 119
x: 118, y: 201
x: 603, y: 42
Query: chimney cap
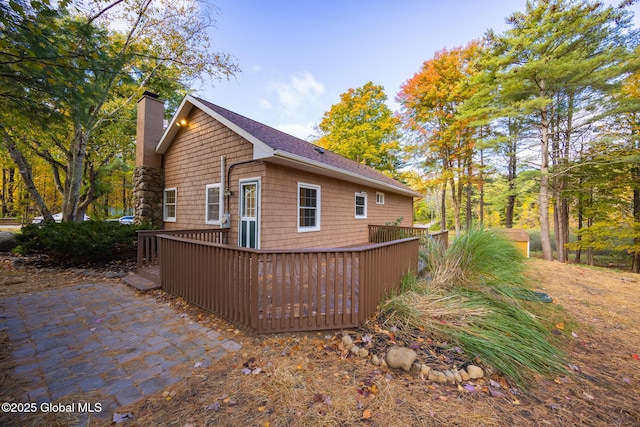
x: 151, y: 94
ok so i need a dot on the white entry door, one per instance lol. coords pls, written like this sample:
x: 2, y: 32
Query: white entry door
x: 249, y: 233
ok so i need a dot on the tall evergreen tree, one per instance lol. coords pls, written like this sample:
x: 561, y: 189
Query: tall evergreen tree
x: 555, y: 53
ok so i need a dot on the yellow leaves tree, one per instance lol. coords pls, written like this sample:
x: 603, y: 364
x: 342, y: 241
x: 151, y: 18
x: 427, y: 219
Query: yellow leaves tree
x: 361, y: 127
x: 443, y: 139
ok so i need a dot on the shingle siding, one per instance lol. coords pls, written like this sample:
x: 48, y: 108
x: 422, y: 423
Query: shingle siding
x: 193, y: 160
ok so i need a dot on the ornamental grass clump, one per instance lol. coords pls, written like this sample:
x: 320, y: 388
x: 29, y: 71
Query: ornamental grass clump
x: 472, y: 298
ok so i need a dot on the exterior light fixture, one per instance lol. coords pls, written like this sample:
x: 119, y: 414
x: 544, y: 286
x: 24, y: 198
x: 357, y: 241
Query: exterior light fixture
x: 181, y: 123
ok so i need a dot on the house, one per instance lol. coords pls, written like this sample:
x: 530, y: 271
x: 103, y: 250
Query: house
x: 262, y: 228
x: 213, y: 168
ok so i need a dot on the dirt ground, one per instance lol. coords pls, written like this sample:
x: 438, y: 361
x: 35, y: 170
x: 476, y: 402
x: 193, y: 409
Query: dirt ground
x: 305, y: 379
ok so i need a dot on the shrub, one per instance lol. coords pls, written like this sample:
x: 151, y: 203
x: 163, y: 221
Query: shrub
x: 472, y: 297
x: 79, y: 243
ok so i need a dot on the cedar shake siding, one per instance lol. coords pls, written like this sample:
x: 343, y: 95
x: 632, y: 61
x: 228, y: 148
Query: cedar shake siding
x: 191, y: 159
x: 338, y: 225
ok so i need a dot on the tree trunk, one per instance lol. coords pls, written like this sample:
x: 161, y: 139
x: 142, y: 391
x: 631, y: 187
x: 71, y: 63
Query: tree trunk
x: 455, y: 198
x: 3, y: 195
x: 70, y: 204
x: 636, y: 217
x: 481, y: 179
x: 469, y: 210
x: 635, y: 179
x: 27, y: 175
x: 512, y: 170
x: 545, y: 236
x: 443, y: 206
x: 580, y: 222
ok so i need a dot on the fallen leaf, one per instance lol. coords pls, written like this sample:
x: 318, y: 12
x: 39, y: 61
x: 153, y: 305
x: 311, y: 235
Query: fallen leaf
x: 588, y: 396
x: 573, y: 334
x: 495, y: 393
x: 635, y: 356
x: 197, y: 364
x: 215, y: 406
x: 469, y: 388
x: 119, y: 418
x: 366, y: 414
x: 560, y: 326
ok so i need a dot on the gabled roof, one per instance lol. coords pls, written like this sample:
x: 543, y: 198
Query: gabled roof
x: 273, y: 145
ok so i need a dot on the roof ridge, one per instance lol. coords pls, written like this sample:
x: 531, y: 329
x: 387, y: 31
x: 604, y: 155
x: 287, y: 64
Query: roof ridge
x: 279, y: 140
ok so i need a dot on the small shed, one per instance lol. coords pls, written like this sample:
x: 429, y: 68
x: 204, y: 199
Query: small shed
x: 519, y: 237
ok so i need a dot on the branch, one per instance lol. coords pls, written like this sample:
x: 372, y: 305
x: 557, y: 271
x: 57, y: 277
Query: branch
x: 103, y: 11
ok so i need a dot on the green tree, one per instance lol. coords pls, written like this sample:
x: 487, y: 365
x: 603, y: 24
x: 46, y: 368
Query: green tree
x: 66, y: 78
x: 557, y: 56
x: 361, y: 127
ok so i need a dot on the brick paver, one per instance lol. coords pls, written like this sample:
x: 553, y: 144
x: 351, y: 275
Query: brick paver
x: 103, y: 343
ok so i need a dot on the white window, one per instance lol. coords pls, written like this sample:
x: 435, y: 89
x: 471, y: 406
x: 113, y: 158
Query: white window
x: 214, y: 204
x: 308, y: 207
x: 361, y: 205
x: 379, y: 198
x: 170, y: 199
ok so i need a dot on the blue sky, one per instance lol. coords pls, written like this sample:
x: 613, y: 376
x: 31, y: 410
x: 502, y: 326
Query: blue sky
x: 297, y: 57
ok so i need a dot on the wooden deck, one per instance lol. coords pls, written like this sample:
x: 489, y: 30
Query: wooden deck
x: 279, y: 290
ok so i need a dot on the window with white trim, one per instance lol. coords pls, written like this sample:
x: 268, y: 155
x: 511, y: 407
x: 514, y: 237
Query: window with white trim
x: 308, y: 207
x: 170, y: 204
x: 214, y: 204
x: 361, y: 205
x: 379, y: 198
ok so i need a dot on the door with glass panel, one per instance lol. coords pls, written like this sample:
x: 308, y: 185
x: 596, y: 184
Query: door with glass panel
x: 248, y: 234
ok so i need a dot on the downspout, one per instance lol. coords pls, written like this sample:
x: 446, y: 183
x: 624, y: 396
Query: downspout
x: 222, y: 184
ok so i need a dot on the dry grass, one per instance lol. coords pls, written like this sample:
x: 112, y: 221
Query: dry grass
x: 306, y: 380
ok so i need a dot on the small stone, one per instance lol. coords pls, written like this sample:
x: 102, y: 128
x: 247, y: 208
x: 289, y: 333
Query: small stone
x: 451, y: 379
x: 457, y: 376
x: 363, y: 352
x: 375, y: 360
x: 401, y: 357
x: 433, y: 375
x: 424, y: 370
x: 463, y: 374
x: 354, y: 349
x: 475, y: 372
x: 442, y: 378
x: 383, y: 363
x: 347, y: 342
x: 416, y: 368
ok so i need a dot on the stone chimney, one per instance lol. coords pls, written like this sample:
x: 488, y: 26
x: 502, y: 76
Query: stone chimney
x: 148, y: 176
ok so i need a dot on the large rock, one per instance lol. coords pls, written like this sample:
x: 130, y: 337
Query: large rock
x: 7, y: 241
x: 401, y: 358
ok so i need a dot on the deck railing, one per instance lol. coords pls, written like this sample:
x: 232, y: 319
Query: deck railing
x: 148, y: 243
x: 285, y: 290
x: 387, y: 233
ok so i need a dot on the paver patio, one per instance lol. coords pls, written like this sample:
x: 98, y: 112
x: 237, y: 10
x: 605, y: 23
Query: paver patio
x: 103, y: 343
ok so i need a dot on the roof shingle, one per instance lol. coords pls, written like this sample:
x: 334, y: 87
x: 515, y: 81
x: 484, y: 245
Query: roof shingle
x: 281, y: 141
